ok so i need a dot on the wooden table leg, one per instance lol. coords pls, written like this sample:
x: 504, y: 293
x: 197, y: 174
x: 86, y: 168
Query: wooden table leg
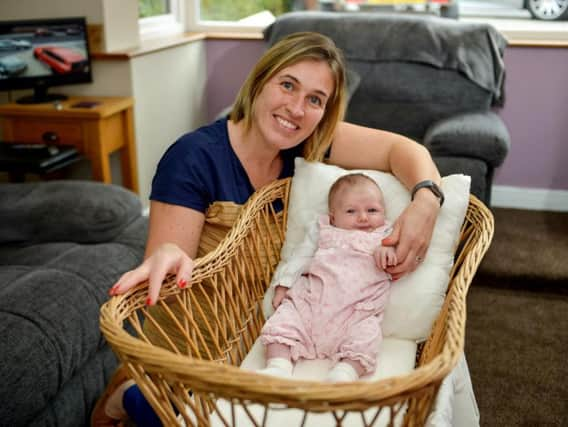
x: 97, y: 154
x: 128, y: 153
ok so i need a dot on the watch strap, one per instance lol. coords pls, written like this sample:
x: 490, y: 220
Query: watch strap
x: 430, y: 185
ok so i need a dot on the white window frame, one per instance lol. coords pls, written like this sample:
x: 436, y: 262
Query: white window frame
x: 244, y: 26
x: 164, y: 25
x: 529, y: 30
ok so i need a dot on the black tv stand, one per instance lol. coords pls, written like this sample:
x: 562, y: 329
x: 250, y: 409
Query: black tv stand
x: 41, y: 96
x: 42, y: 159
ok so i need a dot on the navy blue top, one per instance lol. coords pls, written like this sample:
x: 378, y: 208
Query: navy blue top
x: 201, y: 168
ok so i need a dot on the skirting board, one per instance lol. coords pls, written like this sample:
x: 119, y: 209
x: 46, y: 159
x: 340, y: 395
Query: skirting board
x: 537, y: 199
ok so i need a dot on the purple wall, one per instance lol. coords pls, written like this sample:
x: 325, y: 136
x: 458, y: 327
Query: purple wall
x: 535, y: 112
x: 228, y: 63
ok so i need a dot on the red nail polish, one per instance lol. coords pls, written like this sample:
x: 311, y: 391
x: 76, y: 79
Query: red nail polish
x: 148, y: 301
x: 111, y: 292
x: 182, y: 283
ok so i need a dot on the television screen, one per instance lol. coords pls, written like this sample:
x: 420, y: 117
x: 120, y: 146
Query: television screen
x: 38, y: 54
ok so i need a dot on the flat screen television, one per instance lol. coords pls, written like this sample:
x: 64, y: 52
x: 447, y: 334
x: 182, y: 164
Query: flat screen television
x: 41, y: 53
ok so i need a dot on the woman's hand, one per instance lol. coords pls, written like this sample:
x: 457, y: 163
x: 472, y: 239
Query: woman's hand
x: 167, y: 258
x: 279, y: 294
x: 412, y: 232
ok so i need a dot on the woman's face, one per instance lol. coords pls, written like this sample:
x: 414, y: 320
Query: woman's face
x: 292, y: 103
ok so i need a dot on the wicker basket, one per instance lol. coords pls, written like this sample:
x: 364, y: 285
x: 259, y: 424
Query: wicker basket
x: 217, y: 319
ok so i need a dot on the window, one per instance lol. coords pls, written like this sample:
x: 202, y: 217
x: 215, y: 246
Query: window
x: 229, y: 10
x: 159, y: 17
x: 237, y: 10
x: 147, y: 8
x: 535, y: 19
x: 241, y: 15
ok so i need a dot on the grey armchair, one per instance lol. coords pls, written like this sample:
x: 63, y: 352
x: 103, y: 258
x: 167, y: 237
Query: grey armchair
x: 432, y: 79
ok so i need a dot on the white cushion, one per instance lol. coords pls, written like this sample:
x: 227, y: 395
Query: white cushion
x: 395, y: 357
x: 416, y: 298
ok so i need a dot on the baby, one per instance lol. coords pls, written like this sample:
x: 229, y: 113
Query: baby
x: 331, y: 304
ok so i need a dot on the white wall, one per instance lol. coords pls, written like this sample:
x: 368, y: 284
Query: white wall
x: 120, y: 18
x: 169, y: 89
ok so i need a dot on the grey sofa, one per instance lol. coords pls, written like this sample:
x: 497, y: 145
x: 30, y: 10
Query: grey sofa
x: 432, y: 79
x: 62, y: 245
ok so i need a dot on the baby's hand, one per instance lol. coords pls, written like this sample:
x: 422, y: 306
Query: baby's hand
x: 385, y: 256
x: 279, y: 294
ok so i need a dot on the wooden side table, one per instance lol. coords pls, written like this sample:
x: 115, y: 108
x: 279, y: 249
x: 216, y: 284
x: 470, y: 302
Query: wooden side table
x: 97, y: 126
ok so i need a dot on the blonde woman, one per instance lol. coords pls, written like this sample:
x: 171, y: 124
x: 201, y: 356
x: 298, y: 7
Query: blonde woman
x: 292, y: 104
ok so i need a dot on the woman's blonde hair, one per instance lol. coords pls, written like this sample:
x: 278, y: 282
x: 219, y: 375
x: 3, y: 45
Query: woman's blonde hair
x: 290, y: 50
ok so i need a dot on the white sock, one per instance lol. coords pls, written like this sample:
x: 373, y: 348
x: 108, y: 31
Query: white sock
x: 278, y: 367
x: 114, y: 407
x: 341, y: 373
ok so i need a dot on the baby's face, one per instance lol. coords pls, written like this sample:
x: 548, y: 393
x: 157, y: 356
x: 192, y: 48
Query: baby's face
x: 358, y: 207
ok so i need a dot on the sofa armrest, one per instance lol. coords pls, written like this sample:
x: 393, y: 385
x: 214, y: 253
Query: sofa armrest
x: 481, y: 135
x: 70, y: 211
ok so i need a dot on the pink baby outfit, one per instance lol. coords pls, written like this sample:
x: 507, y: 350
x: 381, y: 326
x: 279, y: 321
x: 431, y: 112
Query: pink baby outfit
x: 334, y: 310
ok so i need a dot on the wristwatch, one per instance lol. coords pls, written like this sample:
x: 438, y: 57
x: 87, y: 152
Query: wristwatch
x: 430, y: 185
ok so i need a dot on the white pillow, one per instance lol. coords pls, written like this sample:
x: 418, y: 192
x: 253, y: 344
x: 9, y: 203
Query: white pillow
x: 416, y: 298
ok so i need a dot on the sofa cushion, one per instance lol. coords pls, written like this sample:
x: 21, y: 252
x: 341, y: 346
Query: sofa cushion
x: 49, y: 319
x: 408, y: 97
x: 74, y: 402
x: 352, y: 82
x: 475, y: 168
x: 65, y: 211
x: 50, y: 297
x: 481, y: 135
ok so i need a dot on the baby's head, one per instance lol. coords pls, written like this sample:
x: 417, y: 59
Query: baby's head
x: 355, y: 202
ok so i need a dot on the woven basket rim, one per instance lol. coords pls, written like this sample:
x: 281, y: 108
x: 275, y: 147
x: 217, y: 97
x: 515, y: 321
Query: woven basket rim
x: 210, y: 376
x: 201, y: 370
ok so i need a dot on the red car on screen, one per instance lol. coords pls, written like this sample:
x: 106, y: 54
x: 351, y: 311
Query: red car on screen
x: 62, y: 60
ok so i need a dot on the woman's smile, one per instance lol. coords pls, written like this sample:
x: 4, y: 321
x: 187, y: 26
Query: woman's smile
x: 286, y: 124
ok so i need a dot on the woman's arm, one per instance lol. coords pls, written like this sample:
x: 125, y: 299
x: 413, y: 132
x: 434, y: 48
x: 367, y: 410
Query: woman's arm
x: 174, y: 224
x: 173, y: 239
x: 358, y: 147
